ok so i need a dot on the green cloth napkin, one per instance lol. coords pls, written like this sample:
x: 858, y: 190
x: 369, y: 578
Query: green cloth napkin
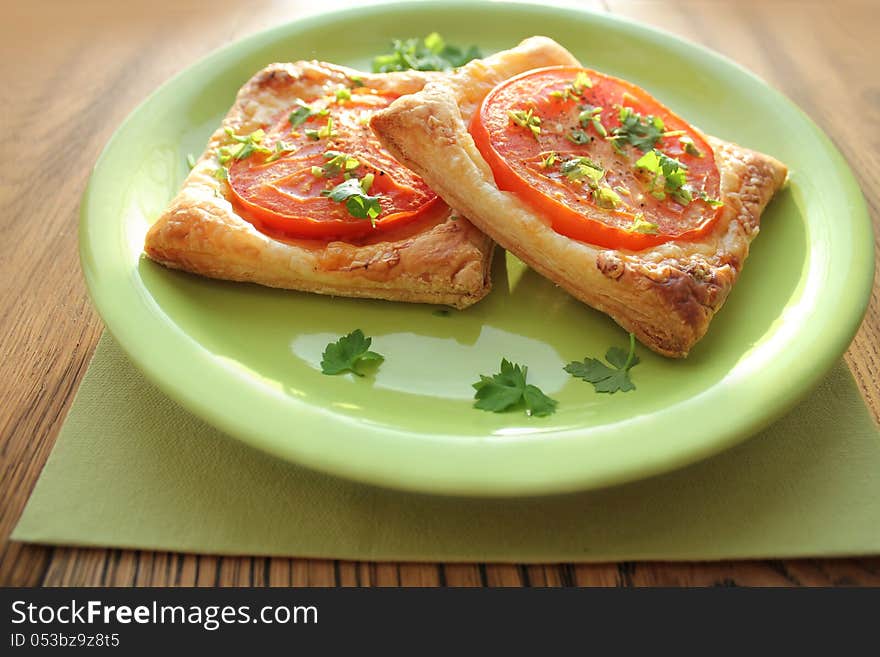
x: 132, y: 469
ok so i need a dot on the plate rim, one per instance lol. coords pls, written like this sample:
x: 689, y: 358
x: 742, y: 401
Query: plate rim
x: 472, y: 481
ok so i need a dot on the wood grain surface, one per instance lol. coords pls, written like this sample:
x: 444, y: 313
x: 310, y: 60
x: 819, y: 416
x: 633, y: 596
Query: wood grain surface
x: 70, y: 74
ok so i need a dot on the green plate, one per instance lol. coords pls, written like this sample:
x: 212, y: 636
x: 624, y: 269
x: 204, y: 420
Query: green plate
x: 246, y: 358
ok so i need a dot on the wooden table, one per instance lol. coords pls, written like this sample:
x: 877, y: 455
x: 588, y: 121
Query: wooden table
x: 72, y: 71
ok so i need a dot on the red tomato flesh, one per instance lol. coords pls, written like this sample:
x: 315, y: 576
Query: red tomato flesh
x: 518, y: 158
x: 283, y: 196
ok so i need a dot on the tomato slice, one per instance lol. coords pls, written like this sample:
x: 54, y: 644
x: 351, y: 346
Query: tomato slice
x: 567, y: 141
x: 281, y: 193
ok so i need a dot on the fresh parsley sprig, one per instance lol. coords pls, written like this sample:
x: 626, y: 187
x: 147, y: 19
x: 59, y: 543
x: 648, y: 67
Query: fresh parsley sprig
x: 611, y: 377
x: 429, y: 54
x: 347, y: 353
x: 508, y: 389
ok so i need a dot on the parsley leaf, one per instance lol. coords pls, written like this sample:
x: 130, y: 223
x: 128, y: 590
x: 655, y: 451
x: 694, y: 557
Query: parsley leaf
x: 687, y: 143
x: 246, y: 145
x: 605, y: 378
x: 537, y: 403
x: 338, y: 162
x: 578, y: 168
x: 605, y: 197
x: 508, y: 388
x: 576, y: 88
x: 358, y: 202
x: 303, y: 113
x: 674, y: 176
x: 592, y: 116
x: 642, y: 225
x: 429, y: 54
x: 640, y: 131
x: 578, y: 137
x: 347, y: 353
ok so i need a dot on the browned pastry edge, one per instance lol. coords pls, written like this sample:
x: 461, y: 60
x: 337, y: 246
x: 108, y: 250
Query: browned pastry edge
x: 666, y: 295
x: 443, y: 260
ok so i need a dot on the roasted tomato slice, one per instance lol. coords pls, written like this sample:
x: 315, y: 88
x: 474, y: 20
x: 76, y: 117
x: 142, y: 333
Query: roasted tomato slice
x: 285, y: 177
x: 599, y: 158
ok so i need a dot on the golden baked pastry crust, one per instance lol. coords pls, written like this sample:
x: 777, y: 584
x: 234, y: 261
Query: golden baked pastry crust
x: 442, y: 259
x: 666, y: 295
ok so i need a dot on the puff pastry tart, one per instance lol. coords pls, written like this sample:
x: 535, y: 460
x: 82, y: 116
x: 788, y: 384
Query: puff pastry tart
x: 593, y: 183
x: 295, y: 191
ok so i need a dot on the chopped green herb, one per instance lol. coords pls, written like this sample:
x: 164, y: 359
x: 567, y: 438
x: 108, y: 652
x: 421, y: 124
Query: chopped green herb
x: 254, y: 138
x: 429, y: 54
x: 509, y: 389
x: 593, y: 116
x: 641, y: 225
x: 576, y: 88
x: 342, y: 94
x: 347, y: 353
x: 246, y: 146
x: 639, y: 131
x: 674, y: 175
x: 190, y: 161
x: 325, y: 132
x: 221, y: 173
x: 303, y: 113
x: 526, y: 119
x: 689, y: 146
x: 356, y: 81
x: 713, y: 202
x: 611, y: 377
x: 578, y: 168
x: 578, y: 137
x: 605, y: 197
x: 337, y: 163
x: 581, y: 81
x: 281, y: 149
x: 549, y: 160
x: 562, y: 94
x: 358, y: 202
